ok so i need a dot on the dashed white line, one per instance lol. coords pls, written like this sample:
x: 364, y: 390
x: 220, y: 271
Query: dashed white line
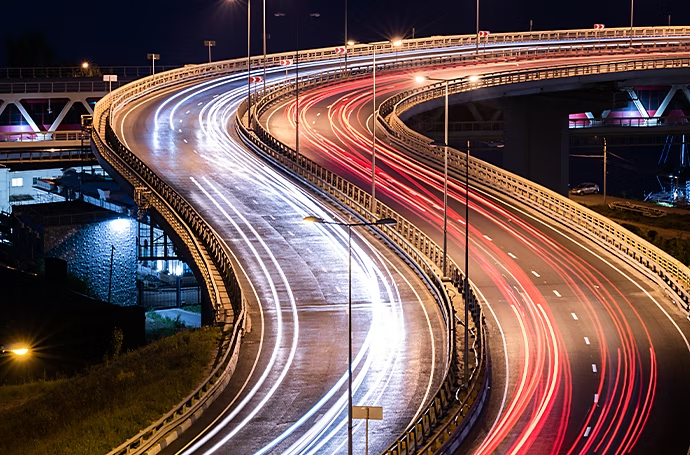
x: 309, y: 250
x: 291, y: 233
x: 488, y: 238
x: 337, y: 288
x: 324, y: 269
x: 596, y: 398
x: 587, y: 430
x: 558, y: 294
x: 594, y: 368
x: 535, y: 274
x: 512, y: 255
x: 574, y: 316
x: 586, y: 340
x: 185, y: 141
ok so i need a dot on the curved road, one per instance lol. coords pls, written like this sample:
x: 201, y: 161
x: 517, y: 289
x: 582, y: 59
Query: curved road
x: 588, y: 355
x: 289, y: 392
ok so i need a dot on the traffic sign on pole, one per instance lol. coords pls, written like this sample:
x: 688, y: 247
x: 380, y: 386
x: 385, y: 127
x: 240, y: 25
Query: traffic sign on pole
x: 484, y: 33
x: 340, y: 50
x: 286, y: 62
x: 256, y: 79
x: 599, y: 27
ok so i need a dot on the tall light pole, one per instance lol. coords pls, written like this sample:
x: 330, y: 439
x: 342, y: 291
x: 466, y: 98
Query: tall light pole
x: 632, y: 10
x: 466, y: 291
x: 395, y: 43
x: 421, y: 79
x: 477, y: 27
x: 249, y: 65
x: 604, y: 171
x: 264, y: 20
x: 347, y: 42
x: 384, y: 221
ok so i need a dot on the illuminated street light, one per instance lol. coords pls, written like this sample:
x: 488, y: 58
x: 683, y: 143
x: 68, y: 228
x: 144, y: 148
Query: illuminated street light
x: 474, y: 78
x: 85, y: 65
x: 16, y: 349
x: 381, y: 222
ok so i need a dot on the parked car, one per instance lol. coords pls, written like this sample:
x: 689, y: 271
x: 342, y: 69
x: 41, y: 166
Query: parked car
x: 585, y: 188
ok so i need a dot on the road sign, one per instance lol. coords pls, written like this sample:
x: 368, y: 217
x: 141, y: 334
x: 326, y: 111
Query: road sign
x: 483, y: 33
x: 367, y: 412
x: 256, y: 79
x: 209, y: 43
x: 110, y: 78
x: 599, y: 27
x: 340, y: 50
x: 286, y: 62
x: 153, y: 56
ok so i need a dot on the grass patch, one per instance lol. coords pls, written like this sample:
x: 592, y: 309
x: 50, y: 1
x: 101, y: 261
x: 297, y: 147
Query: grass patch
x: 678, y: 247
x: 98, y: 411
x: 676, y: 221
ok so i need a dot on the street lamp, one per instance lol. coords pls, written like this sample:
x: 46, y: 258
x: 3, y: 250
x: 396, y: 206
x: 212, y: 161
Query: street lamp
x: 381, y: 222
x: 16, y: 349
x: 421, y: 79
x: 632, y: 10
x: 396, y: 44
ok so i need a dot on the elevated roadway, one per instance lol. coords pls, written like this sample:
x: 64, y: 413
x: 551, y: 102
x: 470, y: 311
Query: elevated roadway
x: 588, y: 355
x: 288, y: 394
x: 578, y: 336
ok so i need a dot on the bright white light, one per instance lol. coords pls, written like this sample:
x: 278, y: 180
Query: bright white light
x: 474, y: 78
x: 397, y: 43
x: 119, y: 225
x: 420, y: 79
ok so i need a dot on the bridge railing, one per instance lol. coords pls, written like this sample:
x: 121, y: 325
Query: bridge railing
x: 44, y: 136
x: 58, y: 87
x: 647, y: 257
x: 628, y: 122
x: 64, y: 72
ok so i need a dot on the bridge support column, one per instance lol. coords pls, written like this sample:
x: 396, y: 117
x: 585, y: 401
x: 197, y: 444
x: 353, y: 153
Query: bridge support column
x: 536, y: 140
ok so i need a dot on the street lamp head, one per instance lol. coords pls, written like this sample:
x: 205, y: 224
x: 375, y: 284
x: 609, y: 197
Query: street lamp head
x: 85, y: 65
x: 397, y: 42
x: 474, y: 78
x: 351, y: 43
x: 438, y: 144
x: 314, y: 219
x: 16, y: 349
x: 421, y: 79
x: 386, y: 221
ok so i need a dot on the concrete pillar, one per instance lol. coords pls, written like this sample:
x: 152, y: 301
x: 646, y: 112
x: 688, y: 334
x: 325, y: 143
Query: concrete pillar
x: 4, y: 189
x: 536, y: 140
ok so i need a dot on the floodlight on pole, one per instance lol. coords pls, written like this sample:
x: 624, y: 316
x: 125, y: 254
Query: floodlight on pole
x: 381, y: 222
x: 209, y: 44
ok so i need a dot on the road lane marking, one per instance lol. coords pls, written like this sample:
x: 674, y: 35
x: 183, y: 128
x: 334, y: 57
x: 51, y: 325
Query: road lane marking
x: 309, y: 250
x: 574, y: 316
x: 594, y: 368
x: 596, y: 398
x: 185, y: 141
x: 586, y: 340
x: 587, y: 430
x: 488, y: 238
x: 535, y: 274
x: 337, y: 288
x: 558, y: 294
x: 512, y: 255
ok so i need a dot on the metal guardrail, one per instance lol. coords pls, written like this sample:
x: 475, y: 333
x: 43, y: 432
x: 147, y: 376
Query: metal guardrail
x: 612, y: 236
x: 629, y: 122
x: 93, y: 71
x: 58, y: 87
x: 198, y: 235
x: 44, y: 136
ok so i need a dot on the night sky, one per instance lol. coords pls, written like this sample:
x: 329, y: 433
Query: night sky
x: 122, y: 32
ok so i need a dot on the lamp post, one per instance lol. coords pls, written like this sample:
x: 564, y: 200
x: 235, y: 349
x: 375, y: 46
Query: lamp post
x: 383, y: 221
x: 249, y: 65
x: 395, y: 44
x: 445, y: 168
x: 347, y: 42
x: 466, y: 290
x: 478, y: 27
x: 16, y: 349
x: 632, y: 10
x: 264, y: 20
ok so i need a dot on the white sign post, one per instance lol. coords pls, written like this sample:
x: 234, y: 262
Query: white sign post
x: 367, y: 413
x: 110, y: 78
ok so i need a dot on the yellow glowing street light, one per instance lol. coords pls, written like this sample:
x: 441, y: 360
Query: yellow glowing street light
x: 16, y: 349
x: 85, y: 65
x: 397, y: 42
x: 351, y: 43
x: 474, y: 78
